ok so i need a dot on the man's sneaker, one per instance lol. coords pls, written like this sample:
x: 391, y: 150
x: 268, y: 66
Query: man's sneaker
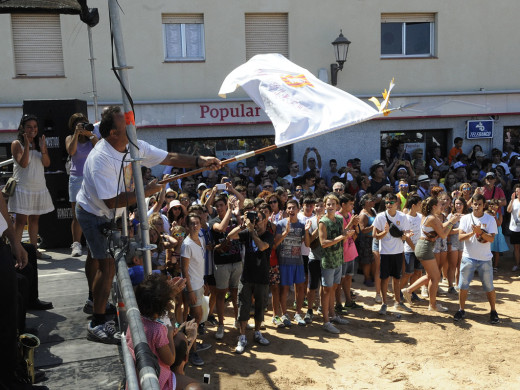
x: 407, y: 295
x: 353, y: 305
x: 452, y: 290
x: 286, y: 321
x: 424, y: 292
x: 415, y: 298
x: 299, y: 320
x: 340, y: 321
x: 493, y: 317
x: 401, y: 306
x: 515, y: 268
x: 195, y: 359
x: 277, y: 321
x: 220, y: 332
x: 339, y: 308
x: 378, y: 298
x: 88, y: 308
x: 319, y: 310
x: 308, y: 317
x: 241, y: 345
x: 330, y: 328
x: 203, y: 346
x: 76, y: 249
x: 459, y: 315
x: 382, y: 310
x: 261, y: 339
x: 212, y: 320
x: 438, y: 307
x: 105, y: 333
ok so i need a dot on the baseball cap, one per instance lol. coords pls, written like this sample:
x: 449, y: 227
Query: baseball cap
x: 458, y: 165
x: 201, y: 185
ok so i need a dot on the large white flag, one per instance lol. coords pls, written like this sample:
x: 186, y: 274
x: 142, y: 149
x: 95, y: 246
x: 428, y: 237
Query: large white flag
x: 300, y: 105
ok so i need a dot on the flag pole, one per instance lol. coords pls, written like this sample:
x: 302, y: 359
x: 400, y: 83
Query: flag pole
x: 242, y: 156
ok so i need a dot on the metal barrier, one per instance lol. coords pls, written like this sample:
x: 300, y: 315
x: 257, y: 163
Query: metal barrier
x: 6, y: 162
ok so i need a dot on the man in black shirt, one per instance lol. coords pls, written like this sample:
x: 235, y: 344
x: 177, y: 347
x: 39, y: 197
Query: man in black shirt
x: 255, y: 277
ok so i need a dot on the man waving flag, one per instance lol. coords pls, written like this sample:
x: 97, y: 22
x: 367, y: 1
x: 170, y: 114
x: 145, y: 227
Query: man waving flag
x: 299, y: 104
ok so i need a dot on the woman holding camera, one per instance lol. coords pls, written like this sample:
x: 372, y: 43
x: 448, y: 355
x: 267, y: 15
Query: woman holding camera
x: 78, y: 145
x: 31, y: 197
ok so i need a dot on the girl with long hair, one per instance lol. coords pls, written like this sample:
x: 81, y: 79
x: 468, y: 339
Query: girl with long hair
x: 455, y: 247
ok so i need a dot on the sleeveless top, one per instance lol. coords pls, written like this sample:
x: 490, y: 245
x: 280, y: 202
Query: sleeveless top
x: 32, y: 177
x: 425, y: 229
x: 78, y: 160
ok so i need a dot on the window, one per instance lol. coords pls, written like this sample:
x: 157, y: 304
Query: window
x: 37, y: 45
x: 407, y: 35
x: 183, y: 37
x: 267, y: 33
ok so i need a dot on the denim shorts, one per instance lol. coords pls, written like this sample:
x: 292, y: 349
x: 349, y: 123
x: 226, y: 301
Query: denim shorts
x: 411, y: 263
x: 456, y: 244
x: 74, y: 187
x: 291, y: 274
x: 348, y: 268
x: 92, y: 225
x: 228, y: 275
x: 468, y: 266
x: 375, y: 245
x: 330, y: 276
x: 441, y: 245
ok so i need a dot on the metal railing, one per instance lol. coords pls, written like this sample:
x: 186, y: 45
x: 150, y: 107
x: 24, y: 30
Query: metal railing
x: 6, y: 162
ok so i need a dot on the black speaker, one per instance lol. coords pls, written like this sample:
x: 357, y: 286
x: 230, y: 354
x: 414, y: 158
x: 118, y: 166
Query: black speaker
x: 53, y: 122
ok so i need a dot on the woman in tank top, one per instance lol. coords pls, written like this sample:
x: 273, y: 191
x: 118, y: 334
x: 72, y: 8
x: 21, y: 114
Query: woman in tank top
x: 364, y: 240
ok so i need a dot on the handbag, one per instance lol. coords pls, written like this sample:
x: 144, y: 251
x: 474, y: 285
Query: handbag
x: 9, y: 187
x: 394, y: 230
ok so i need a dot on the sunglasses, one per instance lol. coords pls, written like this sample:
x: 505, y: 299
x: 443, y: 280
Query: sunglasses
x: 183, y: 199
x: 390, y: 202
x: 403, y: 185
x: 268, y: 186
x: 176, y: 208
x: 170, y: 196
x: 466, y: 188
x: 298, y: 190
x: 272, y: 201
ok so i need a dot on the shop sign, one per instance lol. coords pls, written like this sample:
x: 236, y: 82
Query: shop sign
x: 480, y: 129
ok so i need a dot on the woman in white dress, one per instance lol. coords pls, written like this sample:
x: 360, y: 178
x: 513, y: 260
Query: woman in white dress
x: 31, y: 197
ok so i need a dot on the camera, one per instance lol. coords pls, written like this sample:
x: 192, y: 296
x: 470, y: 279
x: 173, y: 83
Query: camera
x: 221, y: 187
x: 87, y: 126
x: 252, y: 216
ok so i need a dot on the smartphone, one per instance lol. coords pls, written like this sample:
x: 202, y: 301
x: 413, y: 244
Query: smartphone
x: 221, y: 187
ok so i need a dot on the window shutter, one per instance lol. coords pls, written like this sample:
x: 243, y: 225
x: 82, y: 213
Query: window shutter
x: 411, y: 17
x: 38, y: 50
x: 267, y: 33
x: 182, y: 18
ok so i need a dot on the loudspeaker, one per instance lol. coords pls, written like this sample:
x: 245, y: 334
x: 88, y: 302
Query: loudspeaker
x: 53, y: 122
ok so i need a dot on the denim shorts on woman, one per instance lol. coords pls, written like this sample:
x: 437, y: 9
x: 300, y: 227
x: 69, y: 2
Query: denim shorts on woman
x: 92, y: 226
x: 74, y: 187
x: 375, y: 245
x: 456, y: 244
x: 468, y: 266
x: 441, y: 245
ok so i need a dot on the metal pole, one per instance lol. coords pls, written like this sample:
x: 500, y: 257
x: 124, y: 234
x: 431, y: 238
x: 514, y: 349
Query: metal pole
x: 93, y: 72
x: 130, y: 374
x: 131, y: 133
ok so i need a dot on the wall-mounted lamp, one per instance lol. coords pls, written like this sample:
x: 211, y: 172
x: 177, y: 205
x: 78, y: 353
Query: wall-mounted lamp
x: 340, y: 51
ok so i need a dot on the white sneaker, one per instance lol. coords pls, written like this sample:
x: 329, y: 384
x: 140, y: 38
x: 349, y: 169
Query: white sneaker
x: 340, y: 321
x: 424, y: 292
x: 438, y: 307
x: 220, y: 332
x: 401, y: 306
x: 330, y: 328
x: 261, y: 339
x: 241, y: 345
x: 299, y: 320
x: 378, y: 298
x: 76, y: 249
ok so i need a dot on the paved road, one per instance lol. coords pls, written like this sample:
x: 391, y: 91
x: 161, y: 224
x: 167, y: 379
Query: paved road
x: 68, y: 358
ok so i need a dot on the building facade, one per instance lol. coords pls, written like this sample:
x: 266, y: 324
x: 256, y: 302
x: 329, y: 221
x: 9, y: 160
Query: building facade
x: 453, y: 59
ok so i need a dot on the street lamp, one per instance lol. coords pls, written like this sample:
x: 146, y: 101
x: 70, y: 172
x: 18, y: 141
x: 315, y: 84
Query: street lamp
x: 340, y: 51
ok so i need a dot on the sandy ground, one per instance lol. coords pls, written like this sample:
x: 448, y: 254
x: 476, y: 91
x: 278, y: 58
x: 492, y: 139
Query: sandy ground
x: 422, y: 350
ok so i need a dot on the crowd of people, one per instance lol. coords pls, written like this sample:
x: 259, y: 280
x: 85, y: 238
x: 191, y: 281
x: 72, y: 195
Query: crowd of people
x: 248, y: 236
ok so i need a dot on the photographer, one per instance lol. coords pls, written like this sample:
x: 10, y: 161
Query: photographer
x: 78, y: 145
x: 255, y: 277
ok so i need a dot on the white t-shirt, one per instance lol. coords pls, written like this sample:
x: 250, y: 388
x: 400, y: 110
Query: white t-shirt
x: 102, y: 170
x: 305, y: 249
x: 415, y: 226
x: 289, y: 178
x: 389, y: 245
x: 196, y: 254
x: 514, y: 217
x: 472, y: 248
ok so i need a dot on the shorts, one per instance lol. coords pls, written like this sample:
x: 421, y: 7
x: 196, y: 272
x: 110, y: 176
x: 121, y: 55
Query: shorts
x: 347, y: 268
x: 330, y: 276
x: 441, y: 245
x: 228, y: 275
x: 424, y: 250
x: 411, y: 263
x: 314, y: 274
x: 456, y: 244
x: 274, y: 275
x: 245, y: 293
x: 199, y: 293
x: 305, y: 264
x: 514, y: 238
x: 391, y: 265
x: 375, y: 245
x: 468, y: 266
x: 291, y: 274
x: 210, y: 280
x: 74, y: 187
x: 92, y: 225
